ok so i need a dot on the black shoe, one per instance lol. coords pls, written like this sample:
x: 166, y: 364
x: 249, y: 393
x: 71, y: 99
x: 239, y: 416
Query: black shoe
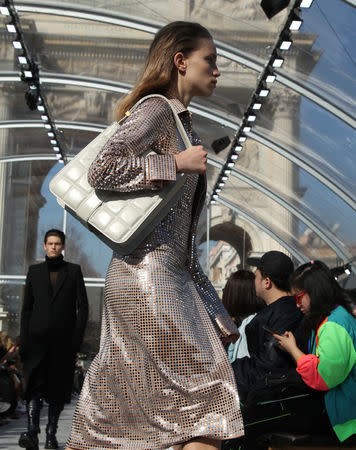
x: 51, y: 441
x: 54, y: 410
x: 29, y: 441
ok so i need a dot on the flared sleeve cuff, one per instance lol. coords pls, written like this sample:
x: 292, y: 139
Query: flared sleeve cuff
x: 161, y: 168
x: 226, y: 325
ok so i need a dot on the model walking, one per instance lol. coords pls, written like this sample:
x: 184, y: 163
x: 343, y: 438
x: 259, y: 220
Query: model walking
x: 161, y: 377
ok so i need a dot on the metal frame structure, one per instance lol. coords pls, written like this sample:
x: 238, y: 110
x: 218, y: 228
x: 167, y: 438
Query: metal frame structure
x: 297, y: 255
x: 229, y: 52
x: 247, y: 59
x: 216, y: 116
x: 21, y: 279
x: 320, y: 231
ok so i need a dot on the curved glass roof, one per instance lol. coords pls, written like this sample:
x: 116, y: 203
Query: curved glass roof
x: 293, y: 183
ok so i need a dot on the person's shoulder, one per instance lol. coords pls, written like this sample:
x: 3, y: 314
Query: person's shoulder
x: 258, y: 319
x: 36, y: 267
x: 155, y: 107
x: 249, y: 318
x: 284, y: 313
x: 342, y: 317
x: 286, y: 302
x: 260, y: 315
x: 72, y: 266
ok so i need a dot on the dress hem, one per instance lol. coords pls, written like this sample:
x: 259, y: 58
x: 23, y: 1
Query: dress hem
x: 166, y: 446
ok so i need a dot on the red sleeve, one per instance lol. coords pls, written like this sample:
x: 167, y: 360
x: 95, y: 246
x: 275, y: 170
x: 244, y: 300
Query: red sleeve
x: 307, y: 367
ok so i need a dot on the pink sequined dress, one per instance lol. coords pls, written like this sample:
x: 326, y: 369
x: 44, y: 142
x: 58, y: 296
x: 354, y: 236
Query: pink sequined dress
x: 161, y: 375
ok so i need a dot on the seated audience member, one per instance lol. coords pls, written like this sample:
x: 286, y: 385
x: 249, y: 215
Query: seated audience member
x: 281, y: 314
x: 240, y: 300
x: 329, y: 366
x: 351, y: 300
x: 3, y: 350
x: 11, y: 370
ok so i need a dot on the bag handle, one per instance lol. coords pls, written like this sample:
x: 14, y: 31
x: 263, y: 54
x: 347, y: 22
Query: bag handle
x: 179, y: 124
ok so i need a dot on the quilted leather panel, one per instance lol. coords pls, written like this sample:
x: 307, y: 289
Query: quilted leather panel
x: 61, y: 187
x: 127, y: 214
x: 89, y: 204
x: 71, y: 184
x: 74, y: 173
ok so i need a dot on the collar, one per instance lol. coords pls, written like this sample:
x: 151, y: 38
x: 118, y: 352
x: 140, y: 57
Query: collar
x: 178, y: 106
x: 282, y: 299
x: 54, y: 264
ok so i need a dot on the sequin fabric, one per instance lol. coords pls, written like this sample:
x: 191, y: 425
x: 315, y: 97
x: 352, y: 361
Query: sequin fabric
x: 161, y: 376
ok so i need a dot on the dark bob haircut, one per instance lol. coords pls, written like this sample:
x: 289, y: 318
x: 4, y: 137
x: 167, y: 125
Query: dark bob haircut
x: 239, y: 295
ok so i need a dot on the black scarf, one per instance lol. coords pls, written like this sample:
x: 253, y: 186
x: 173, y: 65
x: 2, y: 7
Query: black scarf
x: 54, y: 264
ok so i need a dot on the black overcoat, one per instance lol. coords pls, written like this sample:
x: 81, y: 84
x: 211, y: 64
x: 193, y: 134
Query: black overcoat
x: 52, y: 327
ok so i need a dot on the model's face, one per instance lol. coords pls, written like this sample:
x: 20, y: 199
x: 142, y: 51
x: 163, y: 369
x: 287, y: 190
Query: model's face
x: 201, y: 70
x: 302, y: 300
x: 53, y: 246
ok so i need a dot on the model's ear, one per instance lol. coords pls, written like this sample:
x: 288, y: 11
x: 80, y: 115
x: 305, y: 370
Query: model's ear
x: 180, y: 62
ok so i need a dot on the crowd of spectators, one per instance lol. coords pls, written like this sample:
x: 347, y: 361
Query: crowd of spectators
x: 290, y: 323
x: 294, y: 361
x: 11, y: 379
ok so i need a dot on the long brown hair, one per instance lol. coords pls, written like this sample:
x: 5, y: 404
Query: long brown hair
x: 160, y: 72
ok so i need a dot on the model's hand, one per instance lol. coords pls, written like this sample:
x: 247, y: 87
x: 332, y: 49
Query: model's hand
x: 192, y: 160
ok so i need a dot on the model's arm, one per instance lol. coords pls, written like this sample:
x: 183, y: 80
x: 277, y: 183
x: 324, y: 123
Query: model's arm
x: 26, y: 312
x: 216, y: 310
x: 122, y: 164
x: 82, y: 311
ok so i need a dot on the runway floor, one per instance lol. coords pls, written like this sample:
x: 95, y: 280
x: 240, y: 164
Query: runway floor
x: 10, y: 429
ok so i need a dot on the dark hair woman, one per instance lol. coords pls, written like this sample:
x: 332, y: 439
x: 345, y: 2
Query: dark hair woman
x: 240, y: 300
x: 350, y: 300
x: 161, y: 377
x: 239, y: 295
x: 330, y: 364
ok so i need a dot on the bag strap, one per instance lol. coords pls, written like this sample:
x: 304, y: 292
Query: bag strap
x: 179, y: 124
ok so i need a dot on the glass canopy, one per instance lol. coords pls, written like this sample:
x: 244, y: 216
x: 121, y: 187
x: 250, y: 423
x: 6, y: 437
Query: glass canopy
x: 292, y: 186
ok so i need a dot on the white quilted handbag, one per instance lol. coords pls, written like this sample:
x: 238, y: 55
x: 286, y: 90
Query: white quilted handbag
x: 120, y: 219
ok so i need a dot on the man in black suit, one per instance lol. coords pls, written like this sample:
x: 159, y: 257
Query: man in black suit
x: 53, y: 319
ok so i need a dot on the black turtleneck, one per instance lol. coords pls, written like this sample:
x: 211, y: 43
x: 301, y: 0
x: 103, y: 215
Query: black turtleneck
x: 54, y: 264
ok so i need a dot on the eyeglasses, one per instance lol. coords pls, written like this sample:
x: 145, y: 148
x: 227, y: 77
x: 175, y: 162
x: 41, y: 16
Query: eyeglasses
x: 298, y: 297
